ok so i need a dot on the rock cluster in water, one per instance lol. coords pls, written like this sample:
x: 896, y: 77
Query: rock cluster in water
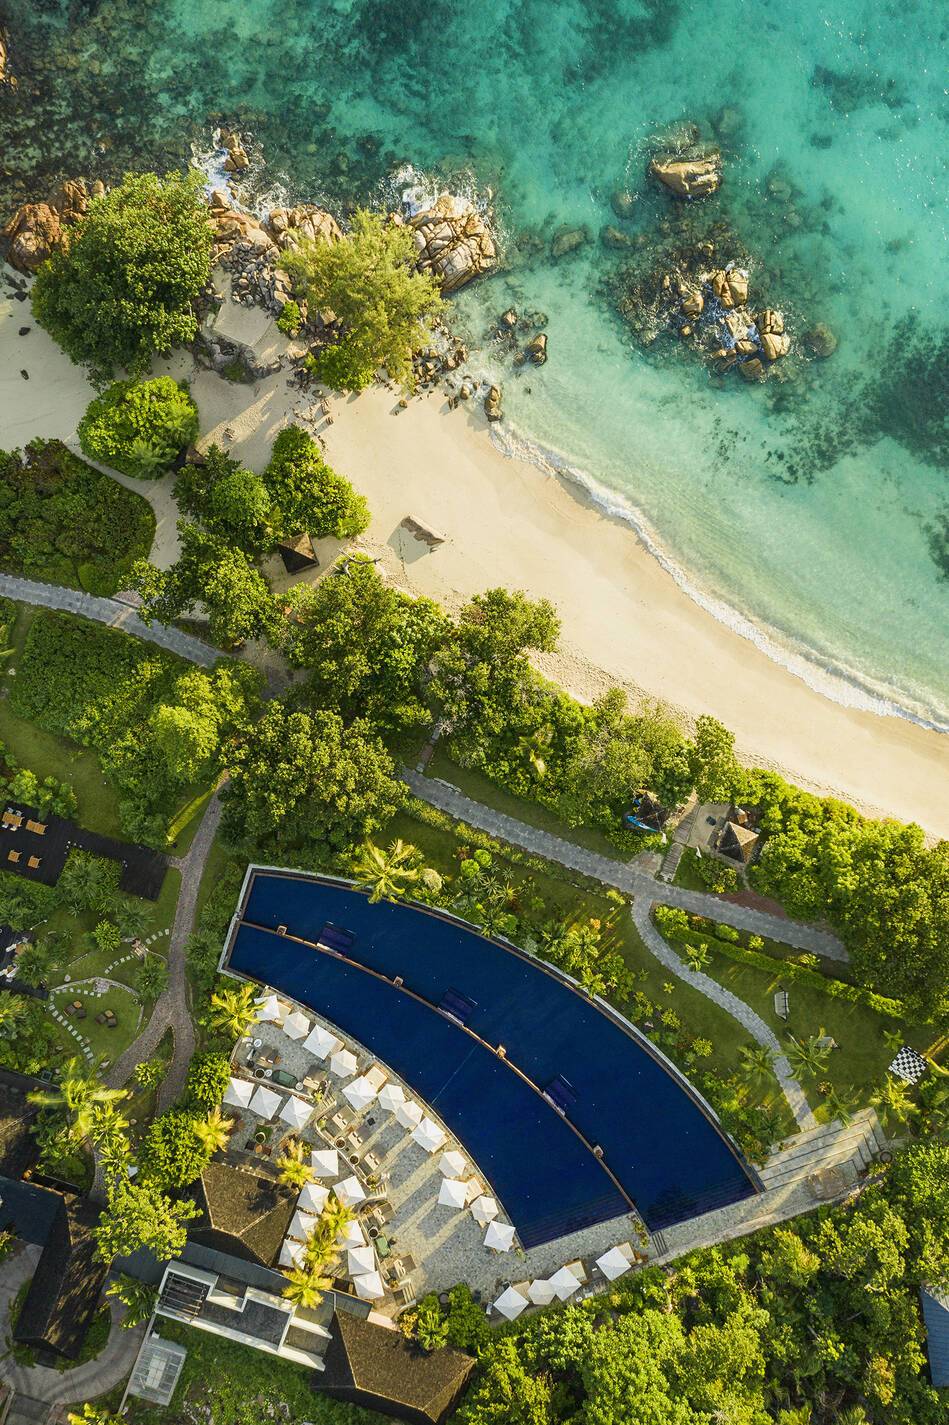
x: 689, y: 177
x: 453, y: 241
x: 710, y: 310
x: 37, y: 230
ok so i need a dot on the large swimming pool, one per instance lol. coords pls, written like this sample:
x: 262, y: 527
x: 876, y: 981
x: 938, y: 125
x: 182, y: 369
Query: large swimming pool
x: 657, y: 1144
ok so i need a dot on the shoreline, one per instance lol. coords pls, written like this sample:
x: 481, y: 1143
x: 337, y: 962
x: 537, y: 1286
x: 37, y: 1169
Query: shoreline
x: 626, y: 617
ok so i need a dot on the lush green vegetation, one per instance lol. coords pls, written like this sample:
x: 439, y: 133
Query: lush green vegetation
x: 383, y: 304
x: 139, y: 427
x: 308, y: 495
x: 65, y: 523
x: 124, y: 288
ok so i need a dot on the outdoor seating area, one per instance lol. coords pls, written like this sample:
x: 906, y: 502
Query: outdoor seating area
x: 574, y: 1281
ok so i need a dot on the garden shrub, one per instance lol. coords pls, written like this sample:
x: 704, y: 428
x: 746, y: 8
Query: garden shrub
x: 306, y: 494
x: 139, y: 427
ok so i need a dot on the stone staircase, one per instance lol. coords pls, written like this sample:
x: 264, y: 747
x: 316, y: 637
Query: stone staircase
x: 849, y: 1148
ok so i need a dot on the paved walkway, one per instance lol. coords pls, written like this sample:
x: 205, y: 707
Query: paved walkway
x: 85, y: 1382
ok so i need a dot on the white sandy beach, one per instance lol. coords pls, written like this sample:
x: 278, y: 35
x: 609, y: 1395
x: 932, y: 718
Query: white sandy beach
x: 506, y: 522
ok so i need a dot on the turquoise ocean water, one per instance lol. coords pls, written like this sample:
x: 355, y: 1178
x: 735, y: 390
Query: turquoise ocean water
x: 812, y: 513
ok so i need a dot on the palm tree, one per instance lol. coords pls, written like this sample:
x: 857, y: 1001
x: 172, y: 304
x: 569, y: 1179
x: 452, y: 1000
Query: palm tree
x: 892, y: 1103
x: 107, y: 1122
x: 138, y: 1298
x: 697, y: 956
x: 934, y: 1104
x: 808, y: 1057
x: 79, y: 1094
x: 213, y: 1132
x: 12, y: 1010
x: 114, y: 1155
x: 131, y: 917
x: 757, y: 1064
x: 894, y: 1039
x: 293, y: 1169
x: 93, y: 1415
x: 305, y: 1287
x: 335, y: 1217
x: 148, y: 460
x: 233, y: 1011
x: 386, y: 874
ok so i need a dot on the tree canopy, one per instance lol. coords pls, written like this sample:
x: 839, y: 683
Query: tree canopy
x: 213, y: 574
x: 306, y: 494
x: 139, y: 427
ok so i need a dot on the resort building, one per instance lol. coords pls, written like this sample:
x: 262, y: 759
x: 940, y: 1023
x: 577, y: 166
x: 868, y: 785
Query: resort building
x: 382, y: 1371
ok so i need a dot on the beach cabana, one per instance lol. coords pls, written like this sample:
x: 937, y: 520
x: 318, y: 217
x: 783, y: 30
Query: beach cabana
x: 409, y: 1114
x: 239, y: 1093
x: 360, y: 1260
x: 613, y: 1264
x: 350, y: 1191
x: 360, y: 1093
x: 452, y: 1165
x: 291, y: 1254
x: 369, y: 1286
x: 264, y: 1103
x: 541, y: 1292
x: 391, y: 1096
x: 511, y: 1303
x: 452, y: 1194
x: 343, y: 1064
x: 484, y: 1209
x: 321, y: 1042
x: 429, y: 1136
x: 499, y: 1237
x: 564, y: 1283
x: 269, y: 1010
x: 351, y: 1235
x: 302, y: 1225
x: 296, y: 1025
x: 325, y: 1162
x: 313, y: 1197
x: 296, y: 1112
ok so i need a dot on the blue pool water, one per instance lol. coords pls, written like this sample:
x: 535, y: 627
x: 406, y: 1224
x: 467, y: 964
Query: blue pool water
x: 659, y: 1142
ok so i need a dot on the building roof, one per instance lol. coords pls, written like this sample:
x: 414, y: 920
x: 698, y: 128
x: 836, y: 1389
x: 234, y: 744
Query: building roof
x: 737, y: 841
x: 378, y: 1368
x: 297, y: 553
x: 67, y: 1282
x: 243, y: 1214
x: 935, y: 1304
x: 17, y: 1148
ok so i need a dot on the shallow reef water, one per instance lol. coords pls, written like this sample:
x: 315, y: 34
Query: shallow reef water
x: 812, y: 508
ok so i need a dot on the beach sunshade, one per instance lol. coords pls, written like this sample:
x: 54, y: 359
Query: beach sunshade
x: 360, y: 1093
x: 360, y: 1260
x: 239, y: 1093
x: 484, y: 1210
x: 564, y: 1283
x: 369, y: 1287
x: 265, y: 1102
x: 452, y: 1193
x: 302, y: 1225
x: 613, y: 1264
x: 351, y: 1235
x: 511, y: 1303
x: 270, y: 1010
x: 296, y: 1025
x: 350, y: 1191
x: 429, y: 1136
x: 325, y: 1162
x: 321, y: 1042
x: 391, y: 1096
x: 291, y: 1254
x: 296, y: 1112
x: 499, y: 1236
x: 409, y: 1114
x: 541, y: 1292
x: 343, y: 1063
x: 313, y: 1197
x: 376, y: 1077
x: 452, y: 1164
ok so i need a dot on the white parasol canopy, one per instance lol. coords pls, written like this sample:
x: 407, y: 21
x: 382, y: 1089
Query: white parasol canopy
x: 351, y: 1235
x: 510, y: 1303
x: 302, y: 1225
x: 350, y: 1191
x: 369, y: 1287
x: 296, y: 1025
x: 296, y: 1112
x: 343, y: 1063
x: 360, y: 1260
x: 452, y: 1164
x: 429, y: 1136
x: 313, y: 1197
x: 265, y: 1102
x: 321, y: 1042
x: 409, y: 1114
x: 360, y: 1093
x: 499, y: 1236
x: 239, y: 1093
x: 541, y: 1292
x: 391, y: 1096
x: 452, y: 1193
x: 269, y: 1009
x: 291, y: 1254
x: 484, y: 1210
x: 564, y: 1283
x: 325, y: 1162
x: 613, y: 1264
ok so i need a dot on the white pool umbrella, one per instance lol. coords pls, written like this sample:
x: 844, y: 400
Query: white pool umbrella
x: 564, y: 1283
x: 429, y: 1136
x: 360, y: 1260
x: 343, y: 1063
x: 360, y: 1093
x: 613, y: 1264
x: 321, y: 1042
x: 325, y: 1162
x: 452, y: 1164
x: 313, y: 1197
x: 270, y: 1010
x: 351, y: 1235
x: 296, y: 1112
x: 302, y: 1225
x: 473, y: 1189
x: 369, y: 1287
x: 391, y: 1096
x: 296, y: 1025
x: 350, y: 1191
x: 409, y: 1114
x: 239, y: 1093
x: 452, y: 1193
x: 291, y: 1254
x: 484, y: 1210
x: 510, y: 1303
x: 265, y: 1102
x: 499, y: 1236
x: 541, y: 1292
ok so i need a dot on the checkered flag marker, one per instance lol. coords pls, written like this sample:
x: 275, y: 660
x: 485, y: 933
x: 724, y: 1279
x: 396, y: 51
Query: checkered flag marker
x: 908, y: 1065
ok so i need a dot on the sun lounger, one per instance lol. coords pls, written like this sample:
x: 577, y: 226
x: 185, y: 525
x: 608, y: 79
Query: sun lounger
x: 13, y: 856
x: 33, y: 862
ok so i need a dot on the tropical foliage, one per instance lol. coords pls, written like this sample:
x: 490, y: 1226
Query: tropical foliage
x: 139, y: 427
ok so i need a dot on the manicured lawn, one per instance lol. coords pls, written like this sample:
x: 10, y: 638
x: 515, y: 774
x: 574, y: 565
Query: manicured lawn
x: 103, y: 1042
x: 217, y: 859
x: 687, y: 874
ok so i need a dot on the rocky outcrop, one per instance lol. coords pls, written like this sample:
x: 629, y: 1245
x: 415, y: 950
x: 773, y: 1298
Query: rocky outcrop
x: 231, y: 225
x: 536, y: 349
x: 492, y: 404
x: 689, y: 177
x: 820, y: 340
x: 730, y: 286
x: 775, y: 341
x: 4, y: 56
x: 612, y: 237
x: 305, y: 223
x: 453, y: 242
x: 567, y: 239
x: 37, y: 230
x: 237, y: 159
x: 623, y: 203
